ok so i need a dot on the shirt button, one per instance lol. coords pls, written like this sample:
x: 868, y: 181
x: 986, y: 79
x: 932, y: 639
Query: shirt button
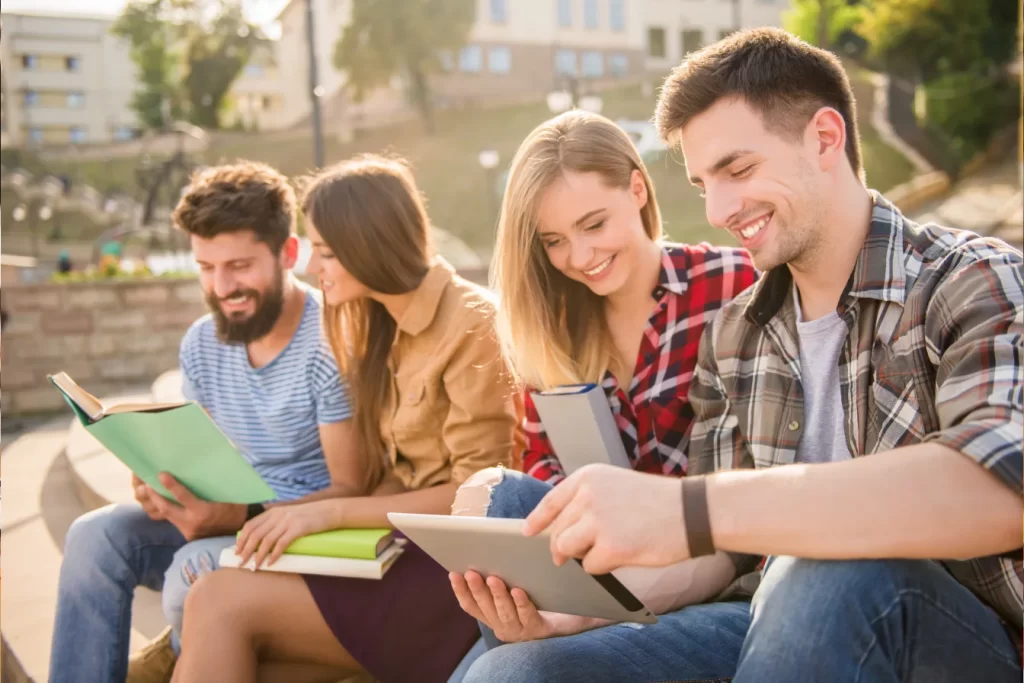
x: 794, y: 425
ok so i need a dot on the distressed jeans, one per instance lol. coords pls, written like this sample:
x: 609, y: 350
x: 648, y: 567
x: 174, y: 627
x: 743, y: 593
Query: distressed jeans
x: 107, y: 554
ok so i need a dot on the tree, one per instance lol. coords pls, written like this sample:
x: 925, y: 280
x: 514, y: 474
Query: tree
x: 404, y: 38
x: 188, y: 53
x: 822, y: 22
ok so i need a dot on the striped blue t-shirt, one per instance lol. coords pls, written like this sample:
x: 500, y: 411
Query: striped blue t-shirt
x: 271, y: 413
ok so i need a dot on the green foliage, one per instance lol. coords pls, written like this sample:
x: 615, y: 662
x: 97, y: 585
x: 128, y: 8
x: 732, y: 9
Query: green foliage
x: 805, y: 19
x: 188, y: 53
x: 968, y: 107
x: 928, y: 38
x: 386, y: 39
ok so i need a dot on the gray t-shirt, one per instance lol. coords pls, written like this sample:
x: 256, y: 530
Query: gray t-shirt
x: 821, y: 341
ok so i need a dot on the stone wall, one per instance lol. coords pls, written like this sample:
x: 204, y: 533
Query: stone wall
x: 108, y: 336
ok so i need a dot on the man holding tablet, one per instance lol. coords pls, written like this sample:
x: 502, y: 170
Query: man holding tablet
x: 868, y: 335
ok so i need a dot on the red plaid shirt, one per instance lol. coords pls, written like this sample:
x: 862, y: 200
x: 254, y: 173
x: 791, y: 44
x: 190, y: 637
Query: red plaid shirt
x: 654, y: 416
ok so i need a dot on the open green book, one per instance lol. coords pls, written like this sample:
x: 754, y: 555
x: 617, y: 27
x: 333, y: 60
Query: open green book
x: 177, y: 438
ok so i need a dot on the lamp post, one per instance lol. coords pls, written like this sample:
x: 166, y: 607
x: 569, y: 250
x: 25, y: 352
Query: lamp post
x: 569, y: 97
x: 315, y: 89
x: 489, y: 160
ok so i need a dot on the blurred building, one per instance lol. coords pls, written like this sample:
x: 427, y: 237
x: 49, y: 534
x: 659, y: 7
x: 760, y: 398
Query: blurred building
x: 66, y: 79
x: 517, y: 49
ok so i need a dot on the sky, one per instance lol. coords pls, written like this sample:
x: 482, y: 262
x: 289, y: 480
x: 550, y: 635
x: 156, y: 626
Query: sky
x: 258, y: 11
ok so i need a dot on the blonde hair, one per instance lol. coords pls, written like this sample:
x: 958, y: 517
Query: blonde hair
x: 552, y: 328
x: 370, y: 214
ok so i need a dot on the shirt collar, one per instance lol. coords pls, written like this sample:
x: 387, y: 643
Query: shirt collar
x: 674, y: 269
x: 427, y: 298
x: 880, y: 272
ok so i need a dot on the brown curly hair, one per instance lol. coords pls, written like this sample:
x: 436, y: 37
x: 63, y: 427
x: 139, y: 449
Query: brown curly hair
x: 242, y: 196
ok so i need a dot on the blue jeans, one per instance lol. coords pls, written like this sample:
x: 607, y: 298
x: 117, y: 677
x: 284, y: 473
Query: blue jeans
x: 107, y: 554
x: 883, y: 621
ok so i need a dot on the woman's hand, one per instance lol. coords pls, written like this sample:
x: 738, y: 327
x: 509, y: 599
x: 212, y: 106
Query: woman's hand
x: 511, y: 614
x: 267, y: 536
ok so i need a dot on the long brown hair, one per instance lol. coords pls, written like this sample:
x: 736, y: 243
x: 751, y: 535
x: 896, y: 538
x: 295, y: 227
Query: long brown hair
x: 370, y: 214
x: 552, y: 328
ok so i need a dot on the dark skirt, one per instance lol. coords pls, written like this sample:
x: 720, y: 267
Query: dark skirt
x: 406, y: 627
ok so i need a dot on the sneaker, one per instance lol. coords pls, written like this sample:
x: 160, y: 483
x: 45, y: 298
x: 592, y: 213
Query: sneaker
x: 153, y: 663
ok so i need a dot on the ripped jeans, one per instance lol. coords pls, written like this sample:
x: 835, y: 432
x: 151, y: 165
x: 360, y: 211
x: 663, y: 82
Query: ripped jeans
x: 107, y: 554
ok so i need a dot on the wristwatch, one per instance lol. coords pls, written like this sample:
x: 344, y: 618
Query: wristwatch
x: 254, y: 510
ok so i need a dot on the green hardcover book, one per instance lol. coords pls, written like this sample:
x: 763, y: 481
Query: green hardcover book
x: 177, y: 438
x: 355, y: 544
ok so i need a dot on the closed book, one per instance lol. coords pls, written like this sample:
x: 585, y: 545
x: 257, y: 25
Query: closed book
x: 325, y: 566
x: 178, y: 438
x: 580, y: 426
x: 356, y: 544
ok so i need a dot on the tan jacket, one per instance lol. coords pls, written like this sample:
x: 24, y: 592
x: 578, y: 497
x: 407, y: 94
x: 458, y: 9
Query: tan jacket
x: 454, y: 411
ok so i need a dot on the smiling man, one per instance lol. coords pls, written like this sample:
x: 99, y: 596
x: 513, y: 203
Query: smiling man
x: 858, y: 411
x: 260, y: 367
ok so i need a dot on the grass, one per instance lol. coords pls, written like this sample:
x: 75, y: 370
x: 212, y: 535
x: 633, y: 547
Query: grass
x: 449, y: 174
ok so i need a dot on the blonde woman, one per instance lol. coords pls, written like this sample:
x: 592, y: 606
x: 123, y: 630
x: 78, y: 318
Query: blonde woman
x: 590, y: 293
x: 433, y: 406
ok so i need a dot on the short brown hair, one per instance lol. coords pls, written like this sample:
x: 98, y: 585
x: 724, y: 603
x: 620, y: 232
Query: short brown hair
x: 783, y: 78
x: 243, y: 196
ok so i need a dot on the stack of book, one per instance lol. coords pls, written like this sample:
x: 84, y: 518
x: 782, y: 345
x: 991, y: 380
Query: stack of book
x: 355, y: 553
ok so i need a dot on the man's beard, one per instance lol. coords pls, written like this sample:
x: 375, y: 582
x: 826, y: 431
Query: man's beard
x: 235, y: 330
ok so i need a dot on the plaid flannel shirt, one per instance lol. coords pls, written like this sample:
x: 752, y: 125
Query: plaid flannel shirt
x: 934, y: 354
x: 654, y: 416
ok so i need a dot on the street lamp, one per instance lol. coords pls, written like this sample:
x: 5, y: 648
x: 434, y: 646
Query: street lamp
x: 489, y: 160
x: 566, y: 98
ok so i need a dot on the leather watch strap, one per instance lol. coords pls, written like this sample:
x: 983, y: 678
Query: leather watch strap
x: 696, y: 517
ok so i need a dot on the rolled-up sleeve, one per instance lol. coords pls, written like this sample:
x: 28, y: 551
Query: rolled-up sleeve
x: 974, y: 332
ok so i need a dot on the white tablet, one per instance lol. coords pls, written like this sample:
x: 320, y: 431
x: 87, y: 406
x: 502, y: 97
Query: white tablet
x: 497, y: 547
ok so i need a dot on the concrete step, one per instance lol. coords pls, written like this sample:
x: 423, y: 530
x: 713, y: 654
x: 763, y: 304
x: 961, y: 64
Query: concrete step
x: 37, y: 513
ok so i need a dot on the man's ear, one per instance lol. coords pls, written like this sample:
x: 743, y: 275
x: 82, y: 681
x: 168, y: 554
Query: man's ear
x: 290, y: 252
x: 828, y: 130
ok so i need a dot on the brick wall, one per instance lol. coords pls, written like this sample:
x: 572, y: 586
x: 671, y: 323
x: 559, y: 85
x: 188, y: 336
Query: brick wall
x: 109, y: 336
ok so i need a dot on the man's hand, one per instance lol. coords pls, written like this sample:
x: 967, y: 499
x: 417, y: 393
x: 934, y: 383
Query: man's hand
x: 511, y: 614
x: 196, y: 518
x: 144, y: 495
x: 610, y: 517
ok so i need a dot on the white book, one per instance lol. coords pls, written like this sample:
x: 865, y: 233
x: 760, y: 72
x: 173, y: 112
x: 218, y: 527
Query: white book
x: 326, y: 566
x: 580, y: 425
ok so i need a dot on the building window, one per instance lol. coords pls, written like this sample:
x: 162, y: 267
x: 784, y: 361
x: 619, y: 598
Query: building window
x: 254, y: 70
x: 498, y: 12
x: 72, y: 63
x: 447, y: 60
x: 590, y: 16
x: 76, y: 134
x: 617, y: 15
x: 29, y: 61
x: 76, y: 100
x: 692, y: 40
x: 267, y: 103
x: 593, y: 64
x: 565, y: 13
x: 35, y: 135
x: 30, y: 98
x: 656, y: 42
x: 499, y: 60
x: 122, y: 133
x: 565, y: 62
x: 618, y: 65
x: 471, y: 59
